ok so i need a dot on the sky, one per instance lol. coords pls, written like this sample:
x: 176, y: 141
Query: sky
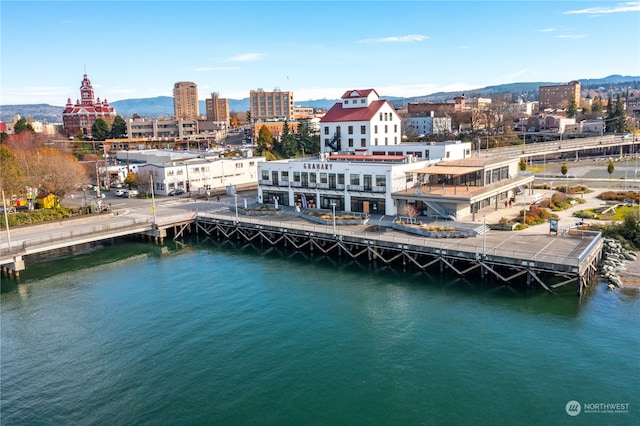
x: 318, y: 50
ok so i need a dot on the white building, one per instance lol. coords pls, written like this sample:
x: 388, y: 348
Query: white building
x: 359, y: 122
x: 421, y: 124
x: 195, y: 173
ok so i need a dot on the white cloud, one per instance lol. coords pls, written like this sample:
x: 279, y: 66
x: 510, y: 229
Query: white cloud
x: 205, y: 69
x: 395, y: 39
x: 246, y: 57
x: 571, y: 36
x: 600, y: 10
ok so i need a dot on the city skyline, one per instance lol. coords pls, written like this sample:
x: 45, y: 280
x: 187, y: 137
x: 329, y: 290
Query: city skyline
x: 139, y: 49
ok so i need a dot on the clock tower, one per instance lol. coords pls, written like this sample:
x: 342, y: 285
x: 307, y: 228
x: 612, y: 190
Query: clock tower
x: 86, y: 91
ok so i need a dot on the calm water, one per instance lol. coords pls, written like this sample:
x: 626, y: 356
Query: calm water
x: 211, y: 334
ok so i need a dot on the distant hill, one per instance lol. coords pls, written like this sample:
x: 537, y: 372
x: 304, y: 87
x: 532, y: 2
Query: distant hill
x: 162, y: 106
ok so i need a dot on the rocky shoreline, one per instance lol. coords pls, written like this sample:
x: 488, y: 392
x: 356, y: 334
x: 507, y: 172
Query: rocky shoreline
x: 620, y: 267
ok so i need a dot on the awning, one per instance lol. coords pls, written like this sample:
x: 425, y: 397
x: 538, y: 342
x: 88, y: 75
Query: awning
x: 446, y: 170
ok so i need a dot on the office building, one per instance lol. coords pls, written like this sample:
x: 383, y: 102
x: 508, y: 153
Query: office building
x: 185, y: 101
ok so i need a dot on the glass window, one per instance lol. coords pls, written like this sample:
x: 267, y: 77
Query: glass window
x: 340, y: 178
x: 375, y: 129
x: 265, y: 174
x: 326, y: 130
x: 363, y: 142
x: 323, y: 178
x: 350, y: 142
x: 381, y: 180
x: 363, y: 130
x: 296, y: 176
x: 285, y: 177
x: 354, y: 179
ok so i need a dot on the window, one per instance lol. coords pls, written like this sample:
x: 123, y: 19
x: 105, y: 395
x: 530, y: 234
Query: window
x: 350, y: 142
x: 386, y: 128
x: 363, y: 130
x: 340, y: 179
x: 381, y: 180
x: 326, y: 130
x: 324, y: 178
x: 409, y: 177
x: 363, y: 142
x: 395, y: 128
x: 375, y: 141
x: 354, y: 179
x: 380, y: 118
x: 296, y: 176
x: 350, y: 130
x: 375, y: 129
x: 265, y: 174
x: 312, y: 178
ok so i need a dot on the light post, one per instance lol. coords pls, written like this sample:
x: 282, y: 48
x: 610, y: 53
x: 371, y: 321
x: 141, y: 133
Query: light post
x: 333, y: 208
x: 153, y: 201
x: 235, y: 195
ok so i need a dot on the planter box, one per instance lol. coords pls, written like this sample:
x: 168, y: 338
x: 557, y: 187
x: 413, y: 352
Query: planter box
x: 341, y: 222
x: 415, y: 229
x: 257, y: 211
x: 502, y: 227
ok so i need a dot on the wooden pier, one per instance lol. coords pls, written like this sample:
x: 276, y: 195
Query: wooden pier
x: 512, y: 258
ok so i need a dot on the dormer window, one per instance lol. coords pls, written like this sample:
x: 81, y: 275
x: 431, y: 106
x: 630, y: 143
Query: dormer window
x: 354, y: 94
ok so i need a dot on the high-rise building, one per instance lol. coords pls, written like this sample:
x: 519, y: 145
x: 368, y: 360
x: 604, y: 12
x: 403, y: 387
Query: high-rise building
x: 217, y: 108
x: 559, y: 95
x: 79, y: 118
x: 185, y: 100
x: 274, y: 105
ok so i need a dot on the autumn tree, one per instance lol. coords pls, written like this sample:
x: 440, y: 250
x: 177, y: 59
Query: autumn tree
x: 523, y: 164
x: 265, y: 139
x: 610, y: 168
x: 130, y: 179
x: 61, y: 172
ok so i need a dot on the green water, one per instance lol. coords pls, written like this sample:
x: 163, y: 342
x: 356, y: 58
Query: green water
x: 208, y: 333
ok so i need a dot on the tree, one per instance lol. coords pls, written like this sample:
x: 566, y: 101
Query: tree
x: 265, y: 139
x: 572, y: 108
x: 523, y: 164
x: 619, y: 116
x: 596, y: 105
x: 118, y: 128
x: 22, y: 126
x: 564, y: 169
x: 610, y: 168
x: 62, y: 173
x: 100, y: 130
x: 130, y: 179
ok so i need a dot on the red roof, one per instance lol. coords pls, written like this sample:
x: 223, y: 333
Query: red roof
x: 361, y: 93
x: 338, y: 113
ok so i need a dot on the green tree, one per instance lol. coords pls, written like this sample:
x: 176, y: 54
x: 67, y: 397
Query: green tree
x: 22, y: 126
x: 100, y: 130
x: 572, y: 108
x: 564, y: 169
x: 608, y: 124
x: 610, y: 168
x: 307, y: 141
x: 619, y: 115
x: 3, y: 136
x: 118, y: 128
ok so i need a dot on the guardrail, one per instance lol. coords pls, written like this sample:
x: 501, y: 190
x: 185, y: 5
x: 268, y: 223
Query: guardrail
x: 446, y: 245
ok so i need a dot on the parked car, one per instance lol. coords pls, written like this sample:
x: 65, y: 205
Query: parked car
x: 121, y: 192
x: 178, y: 191
x: 132, y: 193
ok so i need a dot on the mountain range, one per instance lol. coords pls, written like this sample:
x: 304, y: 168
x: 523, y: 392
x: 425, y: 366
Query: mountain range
x: 162, y: 106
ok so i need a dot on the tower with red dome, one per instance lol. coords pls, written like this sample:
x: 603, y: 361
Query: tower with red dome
x: 80, y: 117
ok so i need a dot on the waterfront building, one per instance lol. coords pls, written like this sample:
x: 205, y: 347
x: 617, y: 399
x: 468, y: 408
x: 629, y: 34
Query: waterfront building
x: 359, y: 122
x: 217, y: 108
x: 194, y: 173
x: 276, y: 105
x: 185, y: 101
x: 80, y: 117
x: 558, y: 95
x: 388, y: 183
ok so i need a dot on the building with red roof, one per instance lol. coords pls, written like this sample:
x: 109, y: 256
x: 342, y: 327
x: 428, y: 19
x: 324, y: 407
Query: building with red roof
x: 360, y: 122
x: 80, y: 117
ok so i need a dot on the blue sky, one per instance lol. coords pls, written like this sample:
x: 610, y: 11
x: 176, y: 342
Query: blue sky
x: 139, y: 49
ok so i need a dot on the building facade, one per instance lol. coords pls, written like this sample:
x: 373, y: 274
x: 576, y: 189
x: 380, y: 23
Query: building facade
x: 217, y: 108
x: 274, y: 105
x: 185, y: 101
x: 558, y: 96
x: 360, y: 122
x: 80, y: 117
x: 199, y: 175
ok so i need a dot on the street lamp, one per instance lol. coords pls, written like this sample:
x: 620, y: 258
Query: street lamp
x: 333, y: 208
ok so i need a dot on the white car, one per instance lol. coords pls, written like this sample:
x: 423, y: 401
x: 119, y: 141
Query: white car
x: 132, y: 193
x: 121, y: 192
